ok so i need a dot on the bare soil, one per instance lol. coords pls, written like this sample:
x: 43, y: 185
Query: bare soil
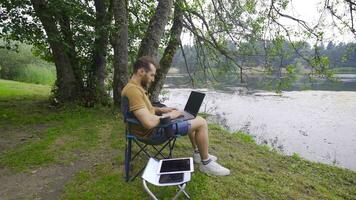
x: 44, y: 182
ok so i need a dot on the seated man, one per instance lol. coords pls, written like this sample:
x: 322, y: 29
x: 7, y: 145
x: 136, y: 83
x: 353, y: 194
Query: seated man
x: 144, y: 70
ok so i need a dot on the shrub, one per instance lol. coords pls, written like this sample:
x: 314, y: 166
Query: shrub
x: 23, y: 66
x: 37, y: 74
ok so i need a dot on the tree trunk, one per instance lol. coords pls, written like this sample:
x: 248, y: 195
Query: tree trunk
x: 65, y: 28
x: 168, y: 54
x: 68, y: 88
x: 150, y: 43
x: 120, y: 44
x: 96, y: 82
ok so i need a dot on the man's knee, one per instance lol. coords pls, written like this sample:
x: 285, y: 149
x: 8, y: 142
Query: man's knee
x: 201, y: 121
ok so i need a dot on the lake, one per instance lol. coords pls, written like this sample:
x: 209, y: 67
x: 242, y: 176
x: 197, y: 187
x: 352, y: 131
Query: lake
x: 344, y: 82
x: 317, y: 125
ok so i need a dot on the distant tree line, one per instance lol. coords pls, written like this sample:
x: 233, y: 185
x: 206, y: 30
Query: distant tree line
x: 341, y: 55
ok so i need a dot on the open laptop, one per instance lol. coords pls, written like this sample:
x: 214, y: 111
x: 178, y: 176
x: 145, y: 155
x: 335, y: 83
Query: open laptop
x: 192, y: 107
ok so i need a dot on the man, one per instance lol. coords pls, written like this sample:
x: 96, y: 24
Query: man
x: 144, y: 71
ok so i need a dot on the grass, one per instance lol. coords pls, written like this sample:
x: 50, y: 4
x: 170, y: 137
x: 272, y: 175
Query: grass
x: 96, y: 134
x: 35, y: 73
x: 13, y: 90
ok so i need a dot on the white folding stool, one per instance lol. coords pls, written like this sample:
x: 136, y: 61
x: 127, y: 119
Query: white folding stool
x: 150, y: 175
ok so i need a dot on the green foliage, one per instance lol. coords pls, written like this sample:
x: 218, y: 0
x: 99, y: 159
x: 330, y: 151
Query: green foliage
x: 283, y: 3
x: 22, y: 65
x: 36, y: 74
x: 139, y: 17
x: 216, y: 127
x: 250, y: 6
x: 244, y: 137
x: 204, y: 115
x: 296, y: 157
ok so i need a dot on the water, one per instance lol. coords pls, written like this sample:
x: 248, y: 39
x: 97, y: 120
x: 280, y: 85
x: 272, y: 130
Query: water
x: 318, y: 125
x: 345, y: 82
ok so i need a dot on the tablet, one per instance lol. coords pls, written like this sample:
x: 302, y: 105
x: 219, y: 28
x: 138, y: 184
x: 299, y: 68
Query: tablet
x: 171, y: 178
x: 175, y: 165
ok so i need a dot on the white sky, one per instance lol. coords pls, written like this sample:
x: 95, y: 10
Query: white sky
x: 310, y: 12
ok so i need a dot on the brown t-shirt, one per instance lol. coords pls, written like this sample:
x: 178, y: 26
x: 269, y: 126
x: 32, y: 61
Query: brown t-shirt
x: 138, y: 98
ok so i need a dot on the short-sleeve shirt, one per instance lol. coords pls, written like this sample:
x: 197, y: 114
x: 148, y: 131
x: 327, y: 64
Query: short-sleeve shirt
x: 138, y: 98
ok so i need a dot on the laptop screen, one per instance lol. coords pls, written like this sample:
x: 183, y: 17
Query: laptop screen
x: 194, y: 102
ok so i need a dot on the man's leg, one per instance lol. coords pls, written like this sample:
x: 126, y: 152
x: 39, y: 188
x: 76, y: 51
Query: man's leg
x: 198, y: 135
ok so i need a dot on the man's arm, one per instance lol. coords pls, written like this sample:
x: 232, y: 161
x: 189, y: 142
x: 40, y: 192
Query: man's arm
x: 149, y: 120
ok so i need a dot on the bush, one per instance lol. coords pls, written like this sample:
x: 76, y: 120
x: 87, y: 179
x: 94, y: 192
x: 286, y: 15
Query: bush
x: 24, y: 66
x: 37, y: 74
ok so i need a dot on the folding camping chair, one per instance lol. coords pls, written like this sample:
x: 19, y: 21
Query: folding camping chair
x: 143, y: 144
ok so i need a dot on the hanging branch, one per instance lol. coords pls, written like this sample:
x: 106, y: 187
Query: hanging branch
x: 352, y: 9
x: 186, y: 65
x: 200, y: 49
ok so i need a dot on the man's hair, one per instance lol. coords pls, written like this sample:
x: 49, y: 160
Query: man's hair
x: 144, y: 62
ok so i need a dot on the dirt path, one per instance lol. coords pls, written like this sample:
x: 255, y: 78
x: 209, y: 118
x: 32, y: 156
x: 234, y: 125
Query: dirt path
x: 47, y: 182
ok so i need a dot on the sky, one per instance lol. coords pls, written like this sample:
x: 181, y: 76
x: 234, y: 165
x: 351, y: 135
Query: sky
x: 310, y: 12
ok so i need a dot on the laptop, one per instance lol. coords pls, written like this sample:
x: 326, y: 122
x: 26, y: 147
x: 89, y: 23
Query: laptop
x: 192, y: 107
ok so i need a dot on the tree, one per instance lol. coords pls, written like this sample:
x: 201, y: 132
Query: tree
x: 169, y: 52
x: 76, y: 36
x: 72, y: 34
x: 120, y: 45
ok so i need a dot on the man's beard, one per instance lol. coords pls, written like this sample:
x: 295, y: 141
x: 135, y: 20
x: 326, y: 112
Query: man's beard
x: 144, y: 82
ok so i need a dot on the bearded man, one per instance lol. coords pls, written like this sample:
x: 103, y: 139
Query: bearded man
x: 144, y: 71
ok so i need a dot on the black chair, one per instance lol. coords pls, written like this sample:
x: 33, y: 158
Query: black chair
x: 151, y: 149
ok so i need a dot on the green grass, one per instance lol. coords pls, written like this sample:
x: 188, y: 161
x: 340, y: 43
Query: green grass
x: 75, y: 133
x: 25, y: 107
x: 37, y: 74
x: 13, y: 90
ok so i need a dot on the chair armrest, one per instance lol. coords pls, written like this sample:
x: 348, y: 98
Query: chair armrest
x: 133, y: 121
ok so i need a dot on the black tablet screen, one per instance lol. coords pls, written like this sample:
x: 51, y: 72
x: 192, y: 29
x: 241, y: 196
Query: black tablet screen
x: 175, y: 165
x: 171, y: 178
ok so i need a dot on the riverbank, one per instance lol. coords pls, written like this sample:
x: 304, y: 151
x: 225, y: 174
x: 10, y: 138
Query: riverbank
x: 77, y: 153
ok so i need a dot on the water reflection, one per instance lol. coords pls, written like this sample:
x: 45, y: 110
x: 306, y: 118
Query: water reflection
x: 343, y: 82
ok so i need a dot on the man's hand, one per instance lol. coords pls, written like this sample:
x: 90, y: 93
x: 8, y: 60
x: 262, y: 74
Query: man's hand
x: 175, y: 114
x: 166, y: 109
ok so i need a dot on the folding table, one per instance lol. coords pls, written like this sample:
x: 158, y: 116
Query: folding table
x: 150, y: 175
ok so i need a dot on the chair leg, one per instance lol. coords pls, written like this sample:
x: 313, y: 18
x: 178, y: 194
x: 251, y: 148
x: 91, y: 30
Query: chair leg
x: 148, y: 190
x: 159, y: 152
x: 128, y: 158
x: 171, y: 146
x: 181, y: 190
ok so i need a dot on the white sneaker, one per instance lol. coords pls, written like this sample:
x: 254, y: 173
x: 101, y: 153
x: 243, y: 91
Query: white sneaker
x: 197, y: 159
x: 214, y: 168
